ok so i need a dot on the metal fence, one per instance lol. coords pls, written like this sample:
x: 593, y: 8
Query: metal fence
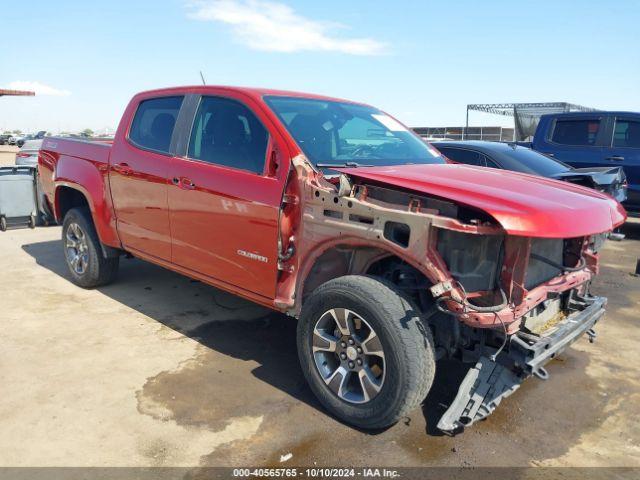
x: 492, y: 134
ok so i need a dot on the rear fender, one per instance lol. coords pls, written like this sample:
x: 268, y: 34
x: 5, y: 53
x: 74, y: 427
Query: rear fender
x: 90, y: 179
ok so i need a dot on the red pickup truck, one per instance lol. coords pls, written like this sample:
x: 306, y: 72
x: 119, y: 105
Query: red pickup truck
x: 337, y: 214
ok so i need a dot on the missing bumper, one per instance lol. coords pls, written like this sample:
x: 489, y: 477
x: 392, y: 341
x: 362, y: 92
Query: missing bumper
x: 489, y: 382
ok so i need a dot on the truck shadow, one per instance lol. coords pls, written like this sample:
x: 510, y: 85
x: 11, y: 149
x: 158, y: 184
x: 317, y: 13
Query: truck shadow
x: 228, y: 325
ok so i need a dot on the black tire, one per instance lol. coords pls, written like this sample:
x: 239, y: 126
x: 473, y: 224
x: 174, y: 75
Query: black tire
x: 99, y: 270
x: 407, y: 342
x: 3, y: 224
x: 32, y: 222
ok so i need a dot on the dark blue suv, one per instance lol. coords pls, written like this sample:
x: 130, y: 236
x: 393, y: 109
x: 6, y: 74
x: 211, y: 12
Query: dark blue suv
x: 595, y: 139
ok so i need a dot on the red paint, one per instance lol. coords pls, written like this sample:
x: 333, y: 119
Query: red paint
x: 223, y: 225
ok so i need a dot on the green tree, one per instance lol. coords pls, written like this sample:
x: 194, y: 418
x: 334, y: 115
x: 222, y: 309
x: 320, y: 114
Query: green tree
x: 17, y: 132
x: 87, y: 132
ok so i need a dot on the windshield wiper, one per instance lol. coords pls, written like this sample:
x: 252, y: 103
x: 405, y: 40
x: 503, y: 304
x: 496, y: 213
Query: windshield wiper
x: 342, y: 165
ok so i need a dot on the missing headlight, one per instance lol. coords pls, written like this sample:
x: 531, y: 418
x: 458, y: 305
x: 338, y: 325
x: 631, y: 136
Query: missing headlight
x: 540, y: 271
x: 473, y: 260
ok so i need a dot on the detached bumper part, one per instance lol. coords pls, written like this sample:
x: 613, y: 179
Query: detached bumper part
x: 489, y: 382
x: 481, y: 391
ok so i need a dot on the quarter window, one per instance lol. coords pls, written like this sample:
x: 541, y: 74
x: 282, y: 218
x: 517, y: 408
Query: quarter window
x: 626, y: 134
x: 576, y: 132
x: 153, y: 123
x: 225, y: 132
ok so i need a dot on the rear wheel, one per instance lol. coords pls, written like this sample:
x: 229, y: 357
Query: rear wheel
x: 365, y: 351
x: 3, y: 224
x: 83, y: 251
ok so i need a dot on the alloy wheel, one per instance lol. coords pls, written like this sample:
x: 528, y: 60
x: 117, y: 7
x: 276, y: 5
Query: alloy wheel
x: 348, y: 355
x: 77, y: 249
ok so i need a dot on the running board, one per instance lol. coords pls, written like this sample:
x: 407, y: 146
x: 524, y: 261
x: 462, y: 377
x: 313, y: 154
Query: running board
x: 480, y: 393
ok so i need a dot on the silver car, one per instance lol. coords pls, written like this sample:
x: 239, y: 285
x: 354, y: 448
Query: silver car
x: 28, y: 154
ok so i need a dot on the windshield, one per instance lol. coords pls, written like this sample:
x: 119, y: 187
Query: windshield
x: 533, y: 162
x: 333, y: 134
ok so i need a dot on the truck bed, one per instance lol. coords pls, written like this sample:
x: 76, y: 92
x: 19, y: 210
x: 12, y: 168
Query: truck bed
x: 80, y: 164
x: 87, y: 148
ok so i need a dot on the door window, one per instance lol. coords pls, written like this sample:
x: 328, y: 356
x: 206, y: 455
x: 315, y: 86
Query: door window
x: 225, y: 132
x: 626, y: 134
x: 153, y: 123
x: 490, y: 163
x: 468, y: 157
x: 576, y: 132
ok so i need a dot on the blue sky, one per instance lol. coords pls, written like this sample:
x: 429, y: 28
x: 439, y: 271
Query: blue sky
x: 421, y: 61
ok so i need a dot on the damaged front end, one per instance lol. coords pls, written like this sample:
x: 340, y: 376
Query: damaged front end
x: 499, y: 298
x: 499, y: 372
x: 522, y: 301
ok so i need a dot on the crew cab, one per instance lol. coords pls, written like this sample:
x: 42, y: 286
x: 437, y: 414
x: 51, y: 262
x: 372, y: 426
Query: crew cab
x: 594, y: 139
x: 336, y: 214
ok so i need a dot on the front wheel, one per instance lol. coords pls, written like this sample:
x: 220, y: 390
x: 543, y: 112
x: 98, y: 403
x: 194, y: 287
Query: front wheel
x: 83, y: 251
x: 365, y: 351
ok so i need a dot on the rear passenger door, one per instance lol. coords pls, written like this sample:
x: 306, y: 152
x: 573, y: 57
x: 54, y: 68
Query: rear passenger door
x: 225, y: 196
x: 138, y: 168
x: 577, y: 140
x: 625, y: 152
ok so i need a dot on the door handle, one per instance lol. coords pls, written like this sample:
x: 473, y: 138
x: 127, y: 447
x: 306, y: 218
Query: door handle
x: 616, y: 158
x: 123, y: 168
x: 183, y: 183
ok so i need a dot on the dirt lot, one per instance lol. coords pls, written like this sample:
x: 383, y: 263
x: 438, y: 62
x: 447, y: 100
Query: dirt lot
x: 159, y: 370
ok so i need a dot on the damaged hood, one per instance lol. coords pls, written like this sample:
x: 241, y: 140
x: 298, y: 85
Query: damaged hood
x: 523, y: 204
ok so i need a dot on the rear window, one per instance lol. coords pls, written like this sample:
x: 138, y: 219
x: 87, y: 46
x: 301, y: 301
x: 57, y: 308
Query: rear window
x: 153, y: 123
x: 576, y: 132
x: 626, y: 134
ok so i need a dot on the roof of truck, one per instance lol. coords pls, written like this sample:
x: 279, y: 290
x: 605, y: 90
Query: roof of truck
x: 589, y: 114
x: 256, y: 93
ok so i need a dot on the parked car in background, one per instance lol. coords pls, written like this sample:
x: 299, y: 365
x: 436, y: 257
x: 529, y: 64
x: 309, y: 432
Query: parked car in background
x: 509, y: 156
x: 28, y: 154
x: 392, y: 260
x: 4, y: 138
x: 14, y: 138
x: 594, y: 139
x: 21, y: 141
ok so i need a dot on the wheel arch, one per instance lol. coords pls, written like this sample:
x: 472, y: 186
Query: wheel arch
x: 343, y: 257
x: 70, y: 195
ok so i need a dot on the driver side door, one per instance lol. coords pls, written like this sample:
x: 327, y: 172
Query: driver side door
x: 224, y: 197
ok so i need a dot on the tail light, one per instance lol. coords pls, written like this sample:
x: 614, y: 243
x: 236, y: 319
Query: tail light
x: 23, y: 154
